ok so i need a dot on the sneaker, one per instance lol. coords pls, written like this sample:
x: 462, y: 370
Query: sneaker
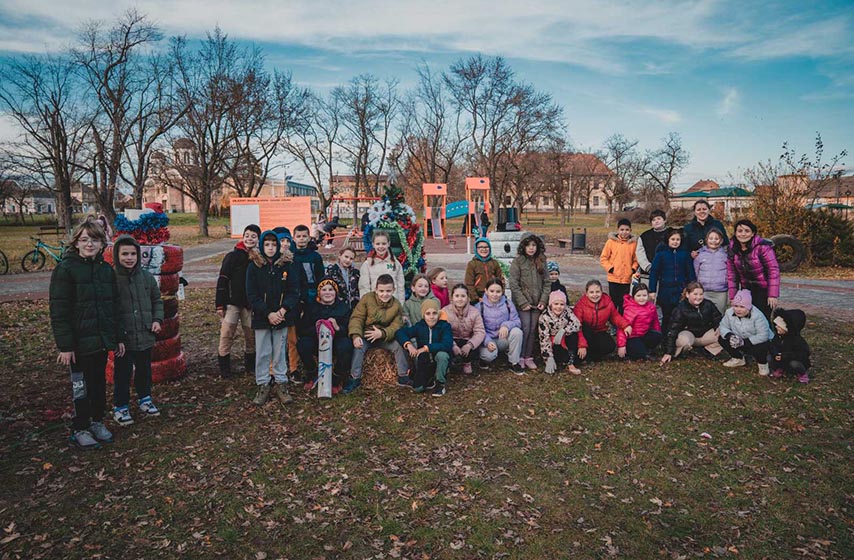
x: 518, y: 369
x: 419, y: 389
x: 573, y: 370
x: 777, y: 373
x: 482, y: 364
x: 529, y: 363
x: 121, y: 414
x: 309, y: 385
x: 763, y: 369
x: 439, y: 390
x: 82, y: 439
x: 336, y: 389
x: 404, y: 381
x: 351, y: 385
x: 467, y: 368
x: 146, y: 406
x: 262, y: 395
x: 804, y: 378
x: 736, y: 362
x: 280, y: 391
x: 101, y: 432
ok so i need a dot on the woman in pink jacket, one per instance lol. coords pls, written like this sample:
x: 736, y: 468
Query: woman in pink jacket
x: 466, y: 324
x: 752, y: 265
x: 641, y: 314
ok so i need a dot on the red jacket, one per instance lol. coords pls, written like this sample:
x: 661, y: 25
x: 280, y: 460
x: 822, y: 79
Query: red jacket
x: 596, y: 316
x: 642, y: 318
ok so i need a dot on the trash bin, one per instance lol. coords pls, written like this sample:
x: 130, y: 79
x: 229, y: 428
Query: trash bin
x: 579, y: 239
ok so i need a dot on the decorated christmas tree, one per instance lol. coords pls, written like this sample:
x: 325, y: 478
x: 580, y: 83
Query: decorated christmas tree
x: 394, y: 216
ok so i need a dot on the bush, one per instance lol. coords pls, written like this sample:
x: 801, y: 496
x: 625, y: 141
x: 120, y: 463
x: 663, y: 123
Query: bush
x: 828, y: 237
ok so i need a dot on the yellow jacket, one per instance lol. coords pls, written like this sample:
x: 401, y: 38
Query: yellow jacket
x: 619, y: 259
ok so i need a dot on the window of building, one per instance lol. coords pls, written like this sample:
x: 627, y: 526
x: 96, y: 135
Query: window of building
x: 186, y: 157
x: 595, y: 201
x: 546, y: 201
x: 507, y: 201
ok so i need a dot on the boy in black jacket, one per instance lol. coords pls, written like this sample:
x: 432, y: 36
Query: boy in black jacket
x: 310, y: 264
x: 790, y: 353
x: 327, y: 305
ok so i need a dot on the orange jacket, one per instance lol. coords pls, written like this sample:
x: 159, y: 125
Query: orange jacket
x: 619, y: 259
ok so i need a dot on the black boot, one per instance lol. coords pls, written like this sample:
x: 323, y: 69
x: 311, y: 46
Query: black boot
x: 249, y: 363
x: 224, y: 366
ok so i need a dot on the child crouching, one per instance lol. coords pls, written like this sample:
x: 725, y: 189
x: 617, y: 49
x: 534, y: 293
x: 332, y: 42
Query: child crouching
x: 434, y: 344
x: 790, y: 353
x: 327, y: 306
x: 694, y: 324
x: 745, y: 330
x: 642, y: 316
x: 558, y: 328
x: 466, y: 324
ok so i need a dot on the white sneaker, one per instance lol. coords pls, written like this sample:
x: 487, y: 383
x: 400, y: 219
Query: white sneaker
x: 122, y: 416
x: 763, y: 369
x: 83, y: 439
x: 101, y: 432
x: 734, y: 362
x: 146, y: 406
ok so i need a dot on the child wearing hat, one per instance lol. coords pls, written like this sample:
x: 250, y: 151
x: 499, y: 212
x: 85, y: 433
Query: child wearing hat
x: 558, y: 328
x: 554, y: 277
x: 432, y: 349
x: 790, y: 353
x: 328, y: 306
x: 745, y: 330
x: 481, y: 269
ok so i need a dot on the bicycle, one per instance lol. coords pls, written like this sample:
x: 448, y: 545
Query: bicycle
x: 35, y: 259
x: 4, y: 263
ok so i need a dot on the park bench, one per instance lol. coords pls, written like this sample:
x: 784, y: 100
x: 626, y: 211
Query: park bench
x: 51, y: 230
x: 355, y: 241
x: 562, y: 243
x: 538, y: 221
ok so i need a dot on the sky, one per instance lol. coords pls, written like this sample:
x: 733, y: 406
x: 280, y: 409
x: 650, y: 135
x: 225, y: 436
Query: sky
x: 735, y: 79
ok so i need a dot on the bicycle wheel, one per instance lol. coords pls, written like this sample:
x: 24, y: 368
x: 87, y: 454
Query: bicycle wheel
x: 32, y: 261
x: 4, y: 263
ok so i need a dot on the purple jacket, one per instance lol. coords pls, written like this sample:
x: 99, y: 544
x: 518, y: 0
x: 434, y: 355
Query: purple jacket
x: 502, y: 314
x: 756, y: 267
x: 711, y: 269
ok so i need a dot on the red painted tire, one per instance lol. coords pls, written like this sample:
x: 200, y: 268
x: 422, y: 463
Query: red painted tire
x: 111, y: 368
x: 169, y: 328
x: 168, y: 284
x: 169, y: 370
x: 108, y: 254
x: 173, y: 259
x: 170, y: 307
x: 165, y: 349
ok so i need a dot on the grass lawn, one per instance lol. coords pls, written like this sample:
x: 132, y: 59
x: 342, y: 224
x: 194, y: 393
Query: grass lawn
x: 626, y: 461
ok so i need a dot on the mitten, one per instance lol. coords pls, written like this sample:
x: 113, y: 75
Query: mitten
x: 735, y: 341
x: 559, y: 337
x: 551, y: 366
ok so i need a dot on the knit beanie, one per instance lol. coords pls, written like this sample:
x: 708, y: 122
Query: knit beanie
x: 253, y: 227
x: 556, y: 295
x: 429, y: 304
x: 326, y: 282
x: 552, y: 266
x: 781, y: 324
x: 743, y: 298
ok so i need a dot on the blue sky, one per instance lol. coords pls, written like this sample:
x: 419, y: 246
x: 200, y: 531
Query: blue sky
x: 735, y: 79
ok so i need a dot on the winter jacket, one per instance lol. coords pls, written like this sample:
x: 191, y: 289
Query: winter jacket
x: 618, y: 258
x: 310, y: 264
x: 671, y: 271
x: 791, y: 347
x: 501, y: 314
x: 273, y: 284
x: 479, y: 271
x: 648, y: 245
x: 315, y: 311
x: 550, y: 324
x: 440, y: 338
x: 698, y: 320
x: 755, y: 267
x: 695, y: 233
x: 642, y: 318
x: 597, y: 315
x: 527, y: 285
x: 558, y: 287
x: 348, y: 289
x: 370, y: 312
x: 231, y: 284
x: 710, y: 267
x: 374, y: 267
x: 754, y: 327
x: 442, y: 294
x: 84, y: 310
x: 466, y: 324
x: 412, y: 308
x: 139, y: 300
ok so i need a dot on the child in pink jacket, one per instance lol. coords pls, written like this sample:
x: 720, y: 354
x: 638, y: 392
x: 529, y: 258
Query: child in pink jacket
x: 466, y: 324
x: 642, y: 316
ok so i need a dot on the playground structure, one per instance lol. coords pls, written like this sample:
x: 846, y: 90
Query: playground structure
x: 435, y: 200
x: 437, y: 210
x: 477, y: 197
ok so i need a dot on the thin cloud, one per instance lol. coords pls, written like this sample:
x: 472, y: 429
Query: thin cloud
x: 729, y: 102
x: 666, y: 116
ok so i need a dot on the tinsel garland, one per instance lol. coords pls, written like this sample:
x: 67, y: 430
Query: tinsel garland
x: 149, y: 229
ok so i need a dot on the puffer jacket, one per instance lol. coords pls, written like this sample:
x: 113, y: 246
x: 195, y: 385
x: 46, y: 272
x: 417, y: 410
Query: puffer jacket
x: 231, y: 284
x: 642, y: 318
x: 84, y: 311
x: 370, y: 311
x: 442, y: 294
x: 273, y: 284
x: 412, y: 308
x: 647, y: 245
x: 440, y: 338
x: 597, y: 316
x: 502, y: 314
x: 466, y: 324
x: 140, y: 304
x: 695, y: 233
x: 698, y: 320
x: 755, y: 267
x: 754, y: 327
x: 315, y: 311
x: 479, y: 271
x: 348, y: 290
x: 550, y: 324
x: 791, y: 347
x: 309, y: 262
x: 374, y: 267
x: 710, y: 268
x: 671, y: 271
x: 527, y: 285
x: 618, y: 258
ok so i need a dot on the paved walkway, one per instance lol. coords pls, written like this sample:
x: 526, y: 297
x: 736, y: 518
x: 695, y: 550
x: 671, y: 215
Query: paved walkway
x: 831, y: 298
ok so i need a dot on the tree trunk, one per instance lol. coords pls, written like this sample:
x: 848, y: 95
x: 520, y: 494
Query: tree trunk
x: 203, y: 220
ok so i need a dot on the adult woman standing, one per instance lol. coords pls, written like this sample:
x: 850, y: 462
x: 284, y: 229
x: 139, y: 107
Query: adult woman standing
x: 699, y: 226
x: 752, y: 265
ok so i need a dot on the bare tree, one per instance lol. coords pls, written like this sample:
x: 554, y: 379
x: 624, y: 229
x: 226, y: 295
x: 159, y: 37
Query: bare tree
x: 41, y: 94
x: 588, y: 175
x: 627, y: 165
x: 815, y: 173
x: 666, y: 163
x: 112, y: 67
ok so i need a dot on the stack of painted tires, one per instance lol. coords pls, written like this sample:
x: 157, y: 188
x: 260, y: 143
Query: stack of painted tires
x: 165, y: 262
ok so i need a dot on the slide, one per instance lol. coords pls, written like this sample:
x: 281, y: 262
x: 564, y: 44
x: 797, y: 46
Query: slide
x: 436, y: 225
x: 456, y: 209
